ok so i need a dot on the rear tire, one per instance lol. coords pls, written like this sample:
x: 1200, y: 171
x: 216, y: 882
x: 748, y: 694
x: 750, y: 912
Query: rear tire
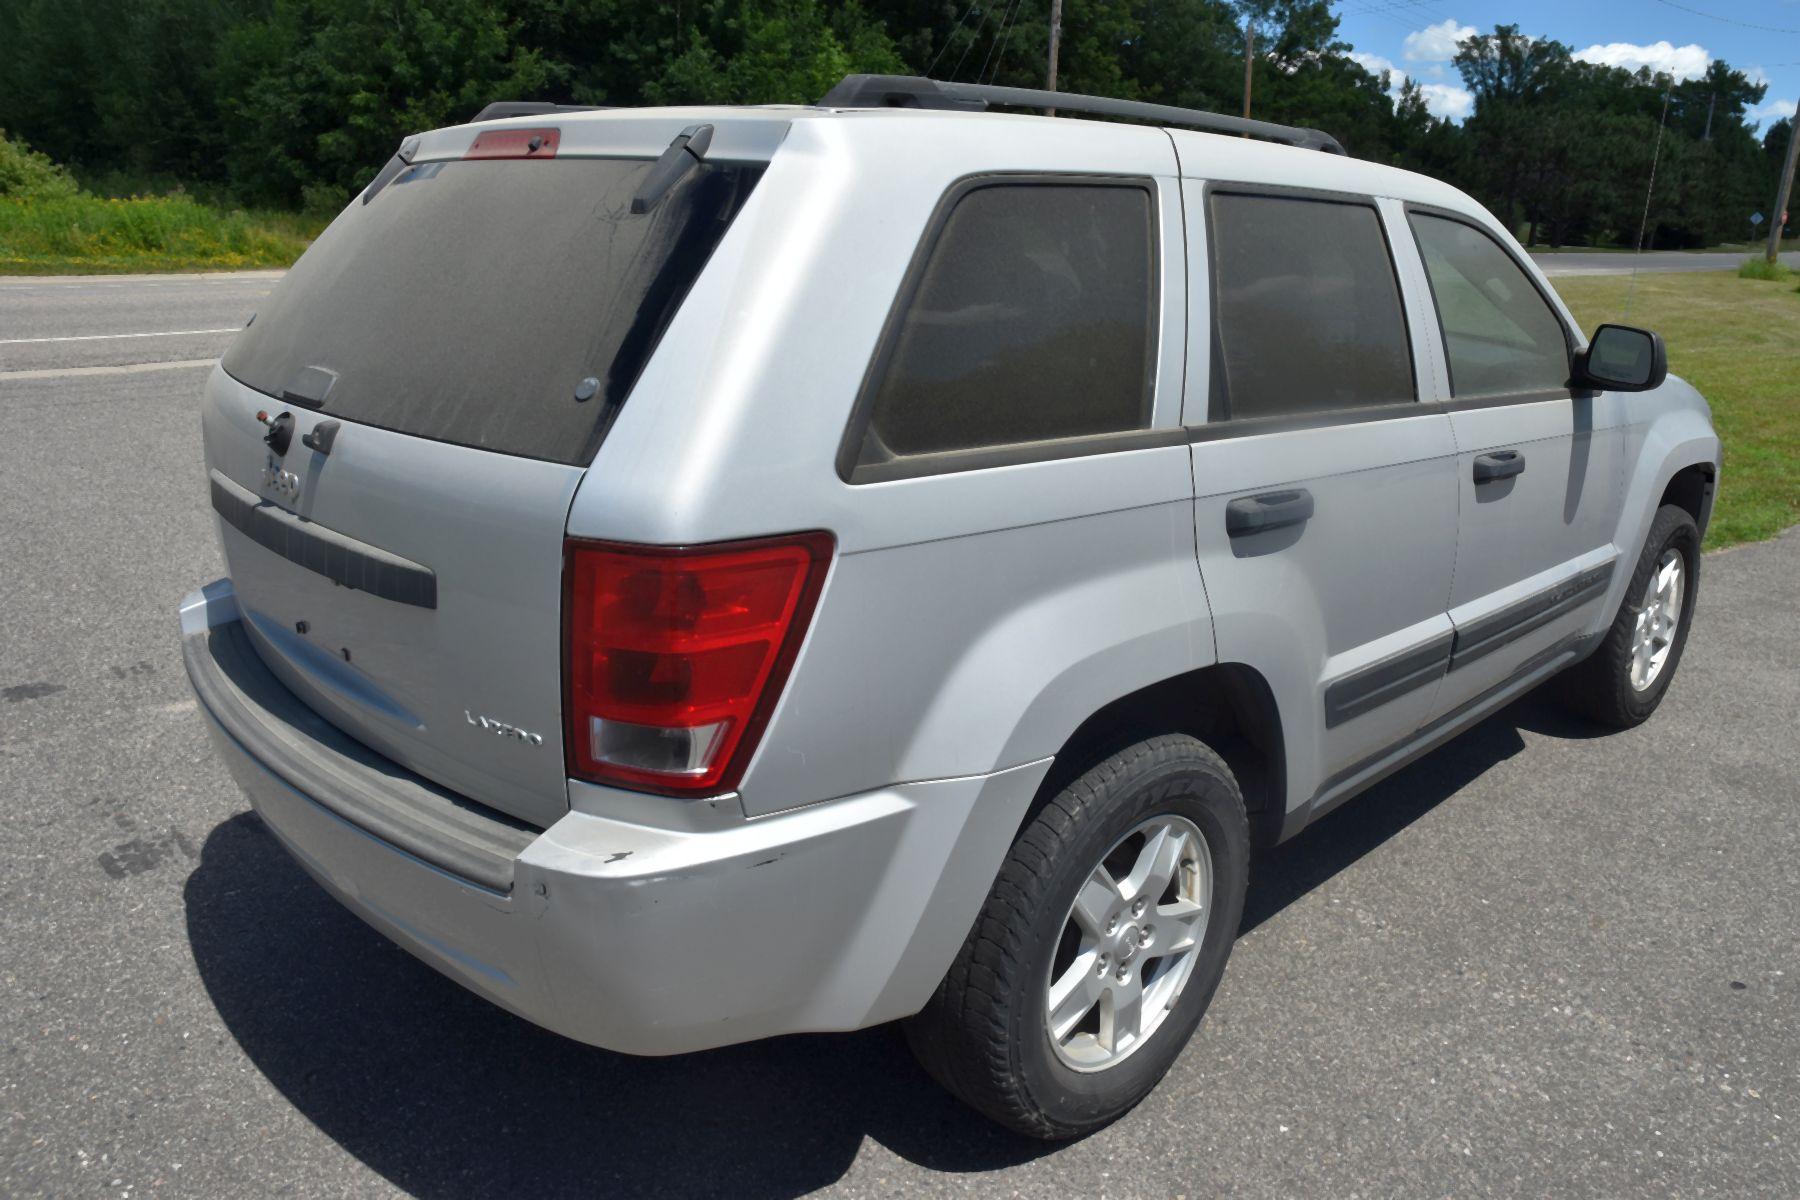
x: 1163, y: 823
x: 1623, y: 681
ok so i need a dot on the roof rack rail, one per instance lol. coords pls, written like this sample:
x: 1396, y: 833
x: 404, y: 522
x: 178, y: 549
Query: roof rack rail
x: 501, y: 109
x: 915, y: 91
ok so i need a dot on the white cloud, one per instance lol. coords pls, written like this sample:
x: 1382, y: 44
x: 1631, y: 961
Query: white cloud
x: 1447, y: 101
x: 1436, y: 43
x: 1441, y: 99
x: 1683, y: 62
x: 1756, y: 75
x: 1772, y: 110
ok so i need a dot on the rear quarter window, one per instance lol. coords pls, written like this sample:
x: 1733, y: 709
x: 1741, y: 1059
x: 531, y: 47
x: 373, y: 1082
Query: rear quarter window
x: 1031, y: 317
x: 469, y: 300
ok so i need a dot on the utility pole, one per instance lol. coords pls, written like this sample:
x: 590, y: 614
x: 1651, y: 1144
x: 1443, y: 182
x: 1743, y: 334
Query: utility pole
x: 1055, y: 46
x: 1783, y: 187
x: 1249, y: 58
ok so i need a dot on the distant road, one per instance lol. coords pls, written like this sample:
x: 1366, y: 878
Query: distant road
x: 1650, y: 260
x: 51, y: 322
x: 146, y: 322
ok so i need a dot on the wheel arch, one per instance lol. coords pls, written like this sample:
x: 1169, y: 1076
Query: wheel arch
x: 1691, y: 488
x: 1674, y: 459
x: 1229, y: 706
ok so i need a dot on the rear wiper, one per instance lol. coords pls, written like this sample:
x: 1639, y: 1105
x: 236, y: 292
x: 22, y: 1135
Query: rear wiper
x: 682, y: 156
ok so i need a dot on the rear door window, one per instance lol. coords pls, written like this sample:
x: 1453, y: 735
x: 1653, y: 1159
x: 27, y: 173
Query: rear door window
x: 1308, y: 315
x: 469, y: 300
x: 1032, y: 318
x: 1500, y: 334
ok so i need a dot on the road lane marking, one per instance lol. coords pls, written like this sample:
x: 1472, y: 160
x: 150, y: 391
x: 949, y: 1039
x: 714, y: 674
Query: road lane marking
x: 161, y: 279
x: 101, y: 337
x: 124, y: 369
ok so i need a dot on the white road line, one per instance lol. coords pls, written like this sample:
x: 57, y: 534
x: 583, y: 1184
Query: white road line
x: 127, y: 369
x: 101, y: 337
x: 26, y: 283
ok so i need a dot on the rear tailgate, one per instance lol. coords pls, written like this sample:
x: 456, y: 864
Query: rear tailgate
x: 469, y: 329
x: 413, y: 681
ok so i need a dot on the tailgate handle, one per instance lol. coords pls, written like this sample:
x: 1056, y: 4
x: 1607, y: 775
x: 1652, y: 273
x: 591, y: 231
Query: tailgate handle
x: 1271, y: 510
x: 319, y: 438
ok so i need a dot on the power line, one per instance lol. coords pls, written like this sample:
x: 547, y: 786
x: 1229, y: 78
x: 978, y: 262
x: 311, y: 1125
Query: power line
x: 950, y: 37
x: 1005, y: 33
x: 1381, y: 6
x: 1006, y: 7
x: 1700, y: 12
x: 973, y: 38
x: 1388, y: 11
x: 1376, y: 12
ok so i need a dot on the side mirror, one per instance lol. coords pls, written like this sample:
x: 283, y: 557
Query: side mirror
x: 1622, y: 359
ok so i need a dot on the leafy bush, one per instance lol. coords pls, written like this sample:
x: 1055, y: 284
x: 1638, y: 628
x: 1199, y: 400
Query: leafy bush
x: 87, y: 233
x: 48, y: 223
x: 26, y: 174
x: 1762, y: 268
x: 322, y: 200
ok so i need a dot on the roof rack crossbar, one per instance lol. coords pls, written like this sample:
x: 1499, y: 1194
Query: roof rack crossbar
x: 915, y: 91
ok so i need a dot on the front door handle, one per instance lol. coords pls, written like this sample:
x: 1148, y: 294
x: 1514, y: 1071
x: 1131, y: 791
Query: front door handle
x: 1271, y: 510
x: 1500, y: 464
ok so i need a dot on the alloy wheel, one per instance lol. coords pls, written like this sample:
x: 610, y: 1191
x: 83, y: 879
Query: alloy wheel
x: 1129, y: 943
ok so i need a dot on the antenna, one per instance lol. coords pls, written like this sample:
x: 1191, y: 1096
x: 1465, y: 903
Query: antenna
x: 1648, y: 191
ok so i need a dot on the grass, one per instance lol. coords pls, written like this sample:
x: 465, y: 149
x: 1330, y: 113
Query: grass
x: 85, y: 234
x: 1735, y: 340
x: 1763, y: 269
x: 1788, y: 245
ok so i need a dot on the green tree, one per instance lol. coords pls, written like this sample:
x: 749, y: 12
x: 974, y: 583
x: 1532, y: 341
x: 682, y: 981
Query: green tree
x: 322, y: 92
x: 770, y: 52
x: 299, y: 101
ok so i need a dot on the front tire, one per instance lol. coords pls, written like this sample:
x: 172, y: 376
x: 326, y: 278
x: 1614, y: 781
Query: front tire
x: 1623, y: 681
x: 1100, y: 946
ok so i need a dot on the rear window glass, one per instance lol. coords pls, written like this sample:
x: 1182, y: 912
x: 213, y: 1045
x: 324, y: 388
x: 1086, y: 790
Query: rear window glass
x: 1033, y: 319
x: 1309, y: 316
x: 468, y: 300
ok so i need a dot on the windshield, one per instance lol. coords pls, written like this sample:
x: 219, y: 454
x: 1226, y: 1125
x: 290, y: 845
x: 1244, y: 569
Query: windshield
x: 503, y: 304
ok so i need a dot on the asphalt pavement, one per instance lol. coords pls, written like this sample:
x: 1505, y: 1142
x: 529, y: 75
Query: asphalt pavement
x: 1538, y: 962
x: 51, y: 322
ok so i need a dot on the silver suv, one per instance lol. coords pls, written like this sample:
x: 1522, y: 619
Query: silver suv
x: 704, y: 574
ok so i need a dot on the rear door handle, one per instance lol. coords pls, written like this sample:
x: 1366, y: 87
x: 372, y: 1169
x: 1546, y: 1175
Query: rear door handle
x: 1500, y: 464
x: 1271, y: 510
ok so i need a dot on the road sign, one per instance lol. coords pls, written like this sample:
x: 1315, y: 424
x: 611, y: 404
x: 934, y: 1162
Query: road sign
x: 1756, y: 218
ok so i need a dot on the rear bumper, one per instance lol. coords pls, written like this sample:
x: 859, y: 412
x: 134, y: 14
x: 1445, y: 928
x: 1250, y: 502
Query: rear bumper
x: 631, y: 936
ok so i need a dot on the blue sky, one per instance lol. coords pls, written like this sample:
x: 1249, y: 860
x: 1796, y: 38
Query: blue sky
x: 1418, y: 38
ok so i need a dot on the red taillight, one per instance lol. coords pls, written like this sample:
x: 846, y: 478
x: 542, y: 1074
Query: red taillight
x: 515, y: 143
x: 678, y: 654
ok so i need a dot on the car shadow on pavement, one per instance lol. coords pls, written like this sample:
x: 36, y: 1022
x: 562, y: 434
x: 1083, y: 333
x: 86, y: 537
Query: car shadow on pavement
x: 444, y: 1094
x: 1280, y: 876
